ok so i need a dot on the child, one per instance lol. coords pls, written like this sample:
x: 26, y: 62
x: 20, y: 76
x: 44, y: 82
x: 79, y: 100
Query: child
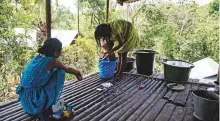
x: 107, y: 47
x: 125, y: 34
x: 43, y: 79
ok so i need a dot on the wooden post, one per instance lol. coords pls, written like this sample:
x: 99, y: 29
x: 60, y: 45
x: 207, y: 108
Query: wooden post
x: 107, y: 10
x: 218, y: 74
x: 78, y: 16
x: 48, y: 18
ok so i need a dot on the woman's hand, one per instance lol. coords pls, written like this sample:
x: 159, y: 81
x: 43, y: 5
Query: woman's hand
x: 57, y: 64
x: 75, y: 72
x: 78, y: 75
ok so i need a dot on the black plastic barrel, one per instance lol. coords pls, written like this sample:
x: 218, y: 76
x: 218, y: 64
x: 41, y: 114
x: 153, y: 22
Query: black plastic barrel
x: 177, y: 70
x: 145, y: 61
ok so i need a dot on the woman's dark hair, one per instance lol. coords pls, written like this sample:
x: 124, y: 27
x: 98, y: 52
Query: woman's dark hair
x: 50, y: 46
x: 102, y: 30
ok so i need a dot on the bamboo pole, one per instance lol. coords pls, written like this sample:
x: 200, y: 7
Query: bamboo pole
x: 48, y: 18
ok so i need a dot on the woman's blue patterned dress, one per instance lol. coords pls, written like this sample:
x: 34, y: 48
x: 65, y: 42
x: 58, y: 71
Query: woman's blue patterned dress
x: 39, y: 88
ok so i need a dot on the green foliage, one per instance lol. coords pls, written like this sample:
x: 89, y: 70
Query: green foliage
x: 184, y: 32
x: 14, y: 50
x: 63, y: 18
x: 82, y: 56
x: 95, y: 9
x: 214, y: 7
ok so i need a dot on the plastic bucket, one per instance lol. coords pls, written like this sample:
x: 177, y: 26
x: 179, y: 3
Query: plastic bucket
x: 177, y: 70
x: 107, y: 69
x: 145, y: 61
x: 206, y: 105
x: 129, y: 64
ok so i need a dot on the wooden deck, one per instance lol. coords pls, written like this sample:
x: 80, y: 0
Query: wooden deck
x: 124, y: 101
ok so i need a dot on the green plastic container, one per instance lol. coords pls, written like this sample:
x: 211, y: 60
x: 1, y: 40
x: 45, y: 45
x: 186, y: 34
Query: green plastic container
x: 206, y: 105
x: 177, y: 70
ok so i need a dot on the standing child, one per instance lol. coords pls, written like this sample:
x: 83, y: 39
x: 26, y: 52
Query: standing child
x: 125, y: 34
x: 43, y: 79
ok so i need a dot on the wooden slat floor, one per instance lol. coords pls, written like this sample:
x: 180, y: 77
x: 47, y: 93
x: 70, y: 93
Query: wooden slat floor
x: 124, y: 101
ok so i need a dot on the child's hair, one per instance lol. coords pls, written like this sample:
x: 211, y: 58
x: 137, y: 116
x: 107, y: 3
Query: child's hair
x: 102, y: 30
x: 50, y: 46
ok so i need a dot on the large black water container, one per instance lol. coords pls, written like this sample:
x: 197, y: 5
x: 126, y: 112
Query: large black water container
x: 145, y: 61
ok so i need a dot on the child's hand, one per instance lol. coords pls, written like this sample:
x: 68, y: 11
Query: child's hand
x: 107, y: 55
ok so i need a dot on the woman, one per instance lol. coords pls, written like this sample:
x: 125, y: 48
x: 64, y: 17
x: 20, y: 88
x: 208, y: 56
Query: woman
x: 43, y: 79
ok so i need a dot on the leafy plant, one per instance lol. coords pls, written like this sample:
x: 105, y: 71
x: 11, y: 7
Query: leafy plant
x: 82, y: 56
